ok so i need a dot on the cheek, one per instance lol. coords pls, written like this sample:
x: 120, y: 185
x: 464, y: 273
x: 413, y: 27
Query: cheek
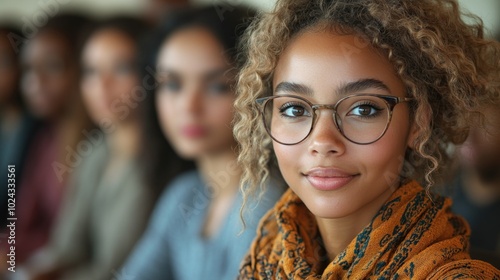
x: 385, y: 158
x: 289, y: 158
x: 89, y: 90
x: 61, y: 87
x: 221, y: 113
x: 166, y: 110
x: 128, y: 88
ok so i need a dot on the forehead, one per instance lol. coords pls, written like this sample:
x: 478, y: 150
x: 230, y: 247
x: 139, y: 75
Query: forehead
x: 192, y: 49
x: 45, y: 44
x: 324, y: 60
x: 110, y: 43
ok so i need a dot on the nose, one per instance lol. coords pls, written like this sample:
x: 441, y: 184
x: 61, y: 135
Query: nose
x: 325, y: 139
x: 192, y: 100
x: 104, y: 84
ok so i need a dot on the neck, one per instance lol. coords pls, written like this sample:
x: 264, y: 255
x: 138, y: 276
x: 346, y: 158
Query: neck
x: 124, y: 141
x: 221, y: 172
x: 222, y: 175
x: 337, y: 233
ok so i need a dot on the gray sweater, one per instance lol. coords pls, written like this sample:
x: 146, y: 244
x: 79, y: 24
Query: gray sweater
x: 100, y: 221
x: 173, y: 248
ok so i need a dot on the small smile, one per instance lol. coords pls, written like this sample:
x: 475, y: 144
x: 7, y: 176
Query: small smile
x: 328, y: 179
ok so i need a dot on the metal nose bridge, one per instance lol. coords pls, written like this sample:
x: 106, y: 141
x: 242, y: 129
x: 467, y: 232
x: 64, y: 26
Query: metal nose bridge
x: 317, y: 107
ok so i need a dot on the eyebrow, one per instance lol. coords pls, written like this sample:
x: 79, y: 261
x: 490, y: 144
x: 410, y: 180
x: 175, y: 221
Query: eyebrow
x: 361, y: 85
x: 294, y: 88
x: 344, y: 89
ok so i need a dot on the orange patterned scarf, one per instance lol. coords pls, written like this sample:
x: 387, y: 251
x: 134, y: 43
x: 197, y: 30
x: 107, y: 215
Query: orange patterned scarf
x: 411, y: 237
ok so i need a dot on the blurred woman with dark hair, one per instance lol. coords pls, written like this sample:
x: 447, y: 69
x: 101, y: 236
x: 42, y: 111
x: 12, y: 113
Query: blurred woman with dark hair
x: 194, y: 229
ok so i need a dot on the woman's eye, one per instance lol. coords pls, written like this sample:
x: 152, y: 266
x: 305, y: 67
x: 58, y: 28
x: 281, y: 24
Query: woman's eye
x: 170, y: 86
x: 365, y: 111
x: 123, y: 69
x: 294, y: 111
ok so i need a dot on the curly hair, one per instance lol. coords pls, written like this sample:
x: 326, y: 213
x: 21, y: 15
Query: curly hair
x: 446, y: 65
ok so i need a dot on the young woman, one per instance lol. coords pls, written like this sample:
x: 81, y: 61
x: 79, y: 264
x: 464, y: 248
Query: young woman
x: 194, y: 232
x: 358, y: 101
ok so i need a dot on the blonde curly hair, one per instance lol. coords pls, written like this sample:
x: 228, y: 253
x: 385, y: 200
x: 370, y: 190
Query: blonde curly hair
x: 447, y: 66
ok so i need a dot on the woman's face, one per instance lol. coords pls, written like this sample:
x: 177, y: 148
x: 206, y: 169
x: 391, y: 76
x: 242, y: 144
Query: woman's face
x: 9, y: 70
x: 50, y: 74
x: 334, y: 177
x: 194, y: 99
x: 109, y: 76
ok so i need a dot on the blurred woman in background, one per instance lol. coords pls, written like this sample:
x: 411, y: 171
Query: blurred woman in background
x: 50, y: 78
x: 194, y: 229
x: 109, y: 202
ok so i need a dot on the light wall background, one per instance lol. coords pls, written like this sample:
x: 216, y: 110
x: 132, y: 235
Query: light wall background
x: 22, y: 11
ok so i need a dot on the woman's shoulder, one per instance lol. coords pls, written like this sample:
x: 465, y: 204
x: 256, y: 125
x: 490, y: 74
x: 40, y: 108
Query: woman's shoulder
x: 179, y: 191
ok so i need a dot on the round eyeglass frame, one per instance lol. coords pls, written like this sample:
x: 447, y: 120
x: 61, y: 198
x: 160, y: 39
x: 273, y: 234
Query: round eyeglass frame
x: 390, y: 101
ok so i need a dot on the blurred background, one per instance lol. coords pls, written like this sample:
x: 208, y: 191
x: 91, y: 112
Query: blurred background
x: 27, y: 10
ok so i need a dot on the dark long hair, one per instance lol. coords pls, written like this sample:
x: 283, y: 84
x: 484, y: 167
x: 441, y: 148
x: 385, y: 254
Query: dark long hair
x: 15, y: 38
x: 226, y: 24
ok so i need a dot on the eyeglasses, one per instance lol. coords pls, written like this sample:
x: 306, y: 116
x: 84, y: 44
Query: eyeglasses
x: 361, y: 118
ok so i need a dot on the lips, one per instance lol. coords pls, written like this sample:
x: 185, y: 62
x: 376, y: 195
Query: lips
x: 328, y: 179
x: 194, y: 131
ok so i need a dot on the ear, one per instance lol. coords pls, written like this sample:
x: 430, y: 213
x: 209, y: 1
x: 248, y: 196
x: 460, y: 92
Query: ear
x: 412, y: 135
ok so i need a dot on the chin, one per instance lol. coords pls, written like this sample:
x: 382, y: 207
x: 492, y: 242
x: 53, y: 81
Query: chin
x: 189, y: 152
x: 325, y: 207
x: 331, y: 212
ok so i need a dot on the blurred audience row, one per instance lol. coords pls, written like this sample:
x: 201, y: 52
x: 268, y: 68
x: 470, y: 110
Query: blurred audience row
x: 120, y: 128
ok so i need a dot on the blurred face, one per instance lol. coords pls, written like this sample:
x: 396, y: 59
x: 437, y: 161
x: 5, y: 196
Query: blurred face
x: 109, y: 75
x: 9, y: 70
x: 334, y: 177
x: 50, y: 75
x: 194, y: 99
x: 481, y: 151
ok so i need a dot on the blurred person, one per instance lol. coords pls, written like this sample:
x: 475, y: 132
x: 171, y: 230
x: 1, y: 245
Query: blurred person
x: 476, y: 188
x: 110, y: 200
x: 49, y: 84
x: 16, y: 124
x: 194, y: 231
x: 155, y: 10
